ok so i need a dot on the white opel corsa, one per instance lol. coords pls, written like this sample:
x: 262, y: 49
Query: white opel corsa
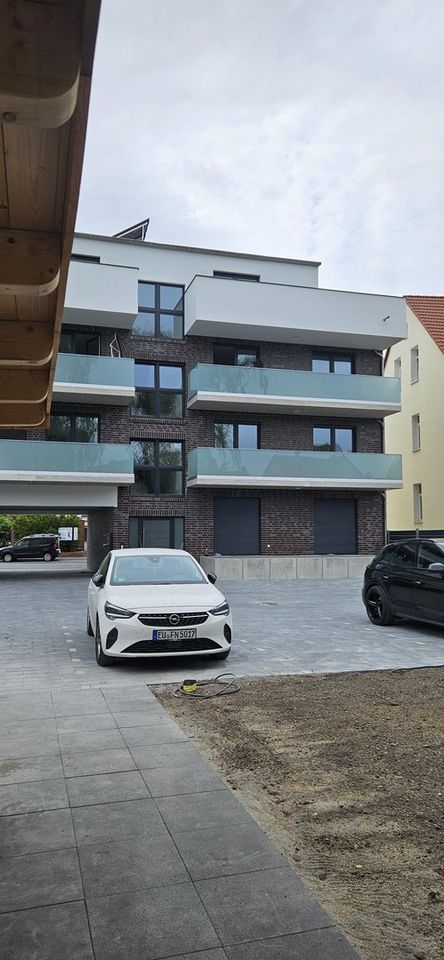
x: 156, y: 603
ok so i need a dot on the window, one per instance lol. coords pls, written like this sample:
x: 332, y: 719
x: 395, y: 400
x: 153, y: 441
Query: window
x: 416, y: 432
x: 429, y: 553
x: 325, y: 362
x: 84, y: 343
x: 72, y: 428
x: 239, y: 355
x: 397, y: 368
x: 226, y: 275
x: 156, y: 532
x: 417, y: 503
x: 159, y: 391
x: 405, y: 555
x: 334, y: 438
x: 244, y: 436
x: 414, y: 364
x: 85, y: 258
x: 158, y: 468
x: 103, y: 569
x: 160, y: 311
x: 12, y: 434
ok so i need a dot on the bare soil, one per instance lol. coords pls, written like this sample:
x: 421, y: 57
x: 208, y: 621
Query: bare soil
x: 344, y: 772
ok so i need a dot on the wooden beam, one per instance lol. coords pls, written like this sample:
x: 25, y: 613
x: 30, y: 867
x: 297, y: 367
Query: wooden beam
x: 23, y: 386
x: 23, y: 415
x: 24, y: 344
x: 40, y: 64
x: 29, y: 262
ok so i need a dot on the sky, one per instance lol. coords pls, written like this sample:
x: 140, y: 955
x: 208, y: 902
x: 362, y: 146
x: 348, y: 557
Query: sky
x: 310, y: 129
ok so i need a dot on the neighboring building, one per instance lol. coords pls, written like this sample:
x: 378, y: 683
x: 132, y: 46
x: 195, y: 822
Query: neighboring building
x: 418, y: 430
x: 244, y: 402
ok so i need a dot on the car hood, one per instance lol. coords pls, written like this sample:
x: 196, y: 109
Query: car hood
x: 166, y: 597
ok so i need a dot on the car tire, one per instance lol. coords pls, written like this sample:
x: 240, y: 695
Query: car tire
x: 378, y: 607
x: 222, y: 655
x: 47, y: 557
x: 89, y: 628
x: 101, y: 658
x: 8, y: 558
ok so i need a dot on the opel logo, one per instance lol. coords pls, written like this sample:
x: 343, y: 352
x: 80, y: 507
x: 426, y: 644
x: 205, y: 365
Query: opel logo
x: 174, y: 619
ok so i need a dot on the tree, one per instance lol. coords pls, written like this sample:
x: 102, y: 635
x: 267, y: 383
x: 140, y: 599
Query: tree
x: 26, y: 524
x: 5, y: 529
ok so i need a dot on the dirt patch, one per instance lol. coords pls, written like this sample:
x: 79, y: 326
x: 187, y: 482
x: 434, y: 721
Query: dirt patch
x: 344, y: 772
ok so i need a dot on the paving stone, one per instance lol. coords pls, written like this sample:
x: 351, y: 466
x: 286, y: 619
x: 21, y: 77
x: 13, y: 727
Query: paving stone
x: 24, y: 728
x: 18, y: 747
x: 85, y: 742
x: 117, y: 821
x: 166, y: 731
x: 85, y: 724
x: 130, y: 704
x: 33, y: 832
x: 59, y: 932
x: 140, y: 718
x: 221, y: 851
x: 164, y: 755
x: 200, y: 810
x: 38, y: 879
x: 327, y: 944
x: 149, y: 924
x: 195, y: 777
x: 106, y: 788
x: 100, y: 761
x: 135, y: 864
x: 38, y: 768
x: 217, y: 954
x: 254, y: 906
x: 34, y: 796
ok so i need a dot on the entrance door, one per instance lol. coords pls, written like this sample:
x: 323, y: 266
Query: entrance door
x: 236, y: 526
x: 335, y: 526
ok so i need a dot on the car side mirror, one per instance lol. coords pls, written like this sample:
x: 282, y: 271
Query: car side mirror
x: 437, y: 568
x: 212, y: 577
x: 98, y: 579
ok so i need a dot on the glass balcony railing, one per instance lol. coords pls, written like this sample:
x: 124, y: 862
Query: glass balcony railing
x: 28, y: 459
x: 101, y: 379
x: 210, y: 466
x: 287, y: 389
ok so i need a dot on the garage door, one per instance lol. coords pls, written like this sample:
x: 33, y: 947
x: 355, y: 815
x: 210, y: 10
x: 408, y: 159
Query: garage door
x: 335, y: 526
x: 236, y: 526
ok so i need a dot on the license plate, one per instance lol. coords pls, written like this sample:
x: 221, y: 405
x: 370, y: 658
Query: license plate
x: 189, y: 634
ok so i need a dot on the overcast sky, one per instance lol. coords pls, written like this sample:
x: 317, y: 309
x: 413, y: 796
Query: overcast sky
x: 299, y: 128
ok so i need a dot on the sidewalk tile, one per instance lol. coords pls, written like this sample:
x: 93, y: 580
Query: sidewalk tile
x: 59, y: 932
x: 33, y: 796
x: 97, y: 761
x: 39, y: 879
x: 195, y: 777
x: 35, y: 832
x: 117, y: 821
x: 106, y: 788
x: 125, y: 865
x: 199, y: 810
x: 86, y: 741
x: 327, y: 944
x: 165, y: 755
x: 166, y: 731
x: 38, y: 768
x: 222, y: 851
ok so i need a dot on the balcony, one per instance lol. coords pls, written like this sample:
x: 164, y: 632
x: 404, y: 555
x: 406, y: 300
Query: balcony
x: 293, y: 469
x: 256, y: 389
x: 290, y: 314
x: 101, y: 294
x: 80, y: 378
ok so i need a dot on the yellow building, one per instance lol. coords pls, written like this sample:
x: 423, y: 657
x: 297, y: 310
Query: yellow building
x: 418, y: 430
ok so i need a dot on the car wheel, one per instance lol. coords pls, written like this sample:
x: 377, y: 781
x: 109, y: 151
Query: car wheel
x: 89, y: 628
x: 47, y: 557
x: 377, y: 607
x: 221, y: 656
x: 7, y: 557
x: 101, y: 657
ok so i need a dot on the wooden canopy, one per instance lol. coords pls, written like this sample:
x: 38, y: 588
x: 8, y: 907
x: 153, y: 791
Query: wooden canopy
x: 46, y: 58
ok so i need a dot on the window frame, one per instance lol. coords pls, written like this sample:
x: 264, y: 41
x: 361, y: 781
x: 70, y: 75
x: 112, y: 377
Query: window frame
x: 141, y: 520
x: 236, y: 348
x: 230, y: 423
x: 414, y: 364
x: 157, y: 390
x: 157, y: 310
x: 72, y: 430
x: 320, y: 426
x: 332, y: 356
x: 155, y: 468
x: 397, y: 367
x: 416, y: 432
x: 73, y: 334
x: 418, y: 508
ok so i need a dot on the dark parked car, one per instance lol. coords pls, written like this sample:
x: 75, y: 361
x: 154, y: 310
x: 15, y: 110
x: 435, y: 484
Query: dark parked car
x: 39, y: 546
x: 406, y: 580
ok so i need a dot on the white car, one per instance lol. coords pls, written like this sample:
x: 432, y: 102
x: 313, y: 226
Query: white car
x: 156, y: 603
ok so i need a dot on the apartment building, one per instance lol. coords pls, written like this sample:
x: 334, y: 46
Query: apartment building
x: 216, y: 401
x: 417, y: 430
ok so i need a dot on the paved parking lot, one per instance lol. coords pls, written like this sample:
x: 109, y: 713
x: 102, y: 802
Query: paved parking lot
x: 280, y: 628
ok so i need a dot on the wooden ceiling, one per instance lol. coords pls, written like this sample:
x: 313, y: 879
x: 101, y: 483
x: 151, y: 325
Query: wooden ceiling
x: 46, y: 58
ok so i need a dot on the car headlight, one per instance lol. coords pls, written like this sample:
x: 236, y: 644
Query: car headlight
x: 222, y: 610
x: 117, y: 613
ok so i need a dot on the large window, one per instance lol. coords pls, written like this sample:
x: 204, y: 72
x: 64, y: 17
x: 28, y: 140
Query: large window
x: 326, y: 362
x: 245, y: 436
x: 239, y: 355
x: 156, y: 532
x: 72, y: 427
x: 158, y: 468
x: 159, y: 391
x: 334, y: 438
x: 417, y: 503
x: 84, y: 343
x: 160, y: 311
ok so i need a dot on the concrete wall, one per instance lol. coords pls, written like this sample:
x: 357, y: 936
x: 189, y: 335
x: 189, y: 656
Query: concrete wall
x: 287, y: 568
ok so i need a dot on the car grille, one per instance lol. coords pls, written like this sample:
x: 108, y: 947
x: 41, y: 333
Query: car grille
x: 172, y: 646
x: 163, y: 619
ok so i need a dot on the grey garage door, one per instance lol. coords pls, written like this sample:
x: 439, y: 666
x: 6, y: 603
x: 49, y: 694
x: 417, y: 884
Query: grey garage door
x: 335, y: 526
x: 236, y: 526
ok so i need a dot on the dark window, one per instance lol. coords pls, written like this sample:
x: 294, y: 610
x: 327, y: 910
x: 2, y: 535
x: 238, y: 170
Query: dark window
x: 12, y: 434
x: 159, y: 391
x: 226, y: 275
x: 239, y: 355
x: 103, y: 569
x: 165, y: 532
x: 72, y: 428
x: 405, y: 555
x: 158, y: 468
x: 244, y: 436
x: 325, y: 362
x: 160, y: 311
x: 85, y: 258
x: 84, y: 343
x: 341, y: 439
x: 429, y: 553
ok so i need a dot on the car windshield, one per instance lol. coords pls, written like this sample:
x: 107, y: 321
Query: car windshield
x: 155, y: 568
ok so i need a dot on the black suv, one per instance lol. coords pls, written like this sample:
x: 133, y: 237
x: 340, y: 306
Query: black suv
x: 39, y: 546
x: 406, y: 580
